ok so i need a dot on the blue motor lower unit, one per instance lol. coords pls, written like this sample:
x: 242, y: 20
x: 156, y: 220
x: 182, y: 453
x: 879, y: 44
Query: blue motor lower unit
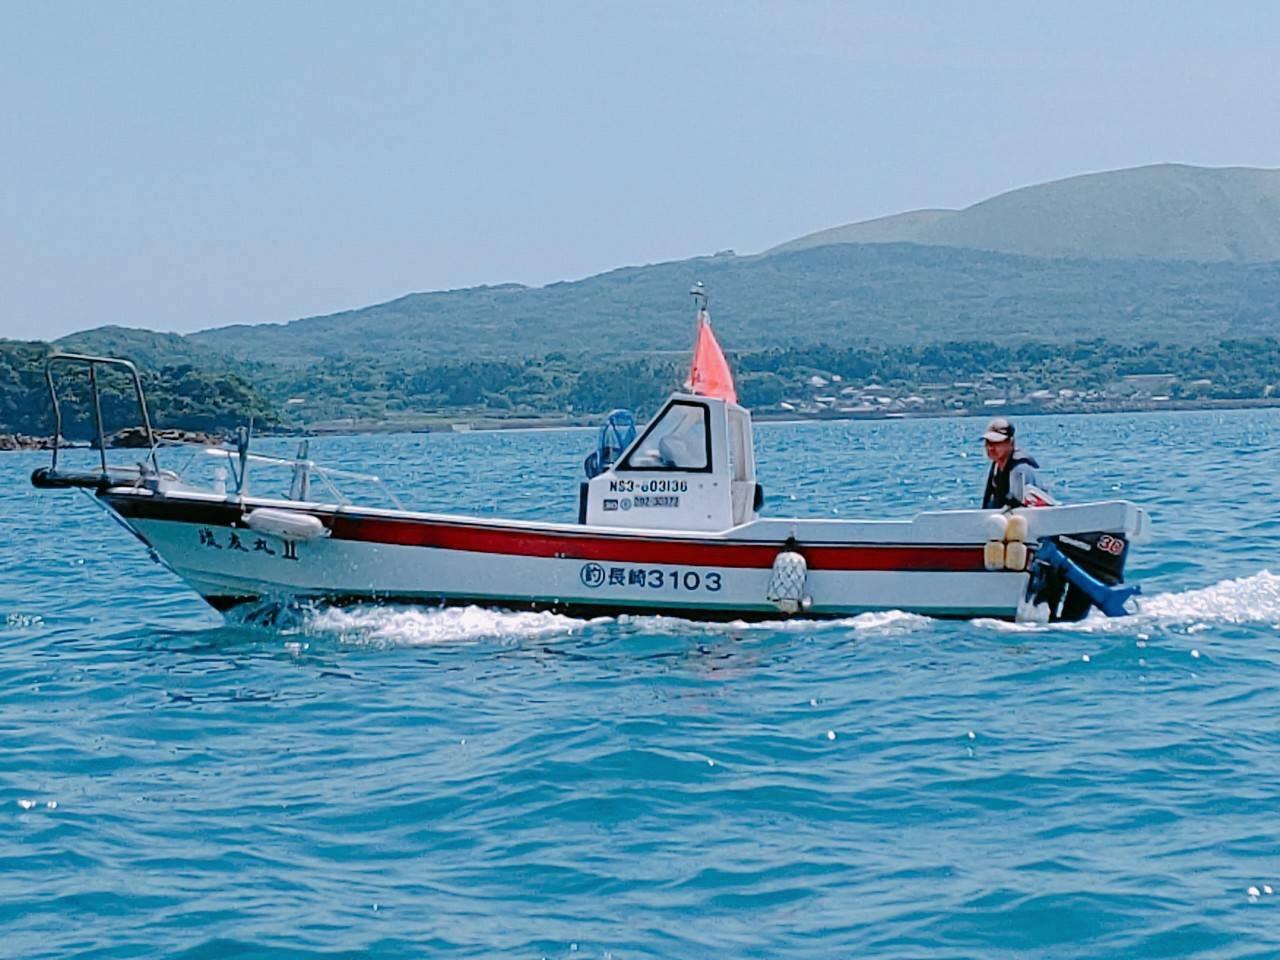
x: 1051, y: 566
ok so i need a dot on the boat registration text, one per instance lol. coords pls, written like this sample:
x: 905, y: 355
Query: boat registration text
x: 653, y: 578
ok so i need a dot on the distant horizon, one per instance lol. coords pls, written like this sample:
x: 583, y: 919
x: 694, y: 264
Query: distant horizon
x: 183, y: 168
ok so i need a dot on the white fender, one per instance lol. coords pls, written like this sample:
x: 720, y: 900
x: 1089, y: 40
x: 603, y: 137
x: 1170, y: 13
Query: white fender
x: 993, y: 555
x: 1015, y: 556
x: 1015, y: 528
x: 286, y: 524
x: 997, y: 524
x: 787, y: 582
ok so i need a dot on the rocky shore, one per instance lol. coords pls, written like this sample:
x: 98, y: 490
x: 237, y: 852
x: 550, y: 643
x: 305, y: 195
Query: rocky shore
x: 133, y: 437
x: 20, y: 441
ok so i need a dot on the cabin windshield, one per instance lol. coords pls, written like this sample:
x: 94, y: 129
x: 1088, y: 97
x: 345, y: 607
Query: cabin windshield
x: 679, y: 439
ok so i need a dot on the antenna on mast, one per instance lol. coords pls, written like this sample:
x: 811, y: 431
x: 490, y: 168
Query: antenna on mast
x: 700, y: 297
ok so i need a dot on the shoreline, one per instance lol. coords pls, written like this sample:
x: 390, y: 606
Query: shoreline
x: 477, y: 424
x: 27, y: 443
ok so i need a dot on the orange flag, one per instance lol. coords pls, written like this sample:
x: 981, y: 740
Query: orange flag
x: 709, y: 375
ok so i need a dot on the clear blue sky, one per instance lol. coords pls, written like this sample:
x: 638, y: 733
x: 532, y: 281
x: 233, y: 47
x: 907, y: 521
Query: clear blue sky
x: 185, y: 165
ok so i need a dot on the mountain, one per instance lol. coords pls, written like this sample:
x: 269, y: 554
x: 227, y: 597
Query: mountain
x: 1165, y: 253
x: 1160, y: 212
x: 897, y: 228
x: 1067, y: 289
x: 840, y: 294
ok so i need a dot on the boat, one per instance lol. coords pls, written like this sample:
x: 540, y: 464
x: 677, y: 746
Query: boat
x: 671, y: 521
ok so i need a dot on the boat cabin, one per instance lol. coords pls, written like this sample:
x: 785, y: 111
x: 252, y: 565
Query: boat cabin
x: 691, y: 468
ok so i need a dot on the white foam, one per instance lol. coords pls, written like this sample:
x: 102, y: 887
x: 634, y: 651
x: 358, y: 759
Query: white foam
x: 1253, y: 599
x: 1249, y: 599
x: 880, y: 622
x: 24, y: 620
x: 888, y: 621
x: 1245, y: 600
x: 418, y: 626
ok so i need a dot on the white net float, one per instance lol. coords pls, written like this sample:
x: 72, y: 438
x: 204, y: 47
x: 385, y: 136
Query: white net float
x: 787, y: 582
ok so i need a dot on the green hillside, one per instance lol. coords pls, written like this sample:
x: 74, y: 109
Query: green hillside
x: 1168, y: 273
x: 181, y: 396
x: 877, y: 293
x: 1172, y: 252
x: 816, y: 380
x: 1161, y: 212
x: 146, y: 348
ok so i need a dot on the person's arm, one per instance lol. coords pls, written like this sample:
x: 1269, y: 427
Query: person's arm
x: 1019, y: 478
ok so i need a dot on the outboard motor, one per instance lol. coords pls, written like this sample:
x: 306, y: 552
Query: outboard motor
x: 1072, y: 573
x: 616, y: 434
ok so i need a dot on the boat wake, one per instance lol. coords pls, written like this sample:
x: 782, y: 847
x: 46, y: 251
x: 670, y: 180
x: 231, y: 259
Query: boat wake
x: 428, y: 626
x: 389, y: 626
x: 1251, y: 599
x: 878, y: 623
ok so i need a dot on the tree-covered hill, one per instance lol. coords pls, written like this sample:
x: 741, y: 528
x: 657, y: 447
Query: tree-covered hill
x: 1166, y: 252
x: 1177, y: 265
x: 144, y: 347
x: 180, y: 396
x: 941, y: 377
x: 881, y: 294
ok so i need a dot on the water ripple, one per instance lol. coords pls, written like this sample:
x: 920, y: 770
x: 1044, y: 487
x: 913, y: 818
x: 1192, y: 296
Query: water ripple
x: 303, y: 782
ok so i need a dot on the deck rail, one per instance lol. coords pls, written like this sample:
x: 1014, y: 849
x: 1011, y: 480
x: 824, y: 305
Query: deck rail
x: 93, y: 363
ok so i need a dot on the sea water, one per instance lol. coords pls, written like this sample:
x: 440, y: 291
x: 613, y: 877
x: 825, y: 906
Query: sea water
x: 404, y: 782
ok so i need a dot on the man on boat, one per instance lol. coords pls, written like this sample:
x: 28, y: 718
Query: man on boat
x: 1012, y: 470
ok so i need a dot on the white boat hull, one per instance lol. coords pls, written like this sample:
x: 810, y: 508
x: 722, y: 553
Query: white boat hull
x: 932, y: 564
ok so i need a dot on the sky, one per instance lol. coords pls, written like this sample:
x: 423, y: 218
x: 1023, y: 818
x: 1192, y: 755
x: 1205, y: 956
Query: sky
x: 179, y: 166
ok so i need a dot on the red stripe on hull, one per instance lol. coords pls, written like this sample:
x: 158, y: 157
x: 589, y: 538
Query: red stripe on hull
x: 620, y: 548
x: 632, y: 549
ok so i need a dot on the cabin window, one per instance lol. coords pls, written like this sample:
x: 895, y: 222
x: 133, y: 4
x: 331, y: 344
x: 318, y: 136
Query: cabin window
x: 679, y: 439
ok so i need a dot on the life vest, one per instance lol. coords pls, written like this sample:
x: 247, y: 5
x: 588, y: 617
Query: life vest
x: 996, y: 496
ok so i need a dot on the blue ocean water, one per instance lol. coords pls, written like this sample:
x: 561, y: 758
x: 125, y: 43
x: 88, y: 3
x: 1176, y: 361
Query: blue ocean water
x: 400, y: 782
